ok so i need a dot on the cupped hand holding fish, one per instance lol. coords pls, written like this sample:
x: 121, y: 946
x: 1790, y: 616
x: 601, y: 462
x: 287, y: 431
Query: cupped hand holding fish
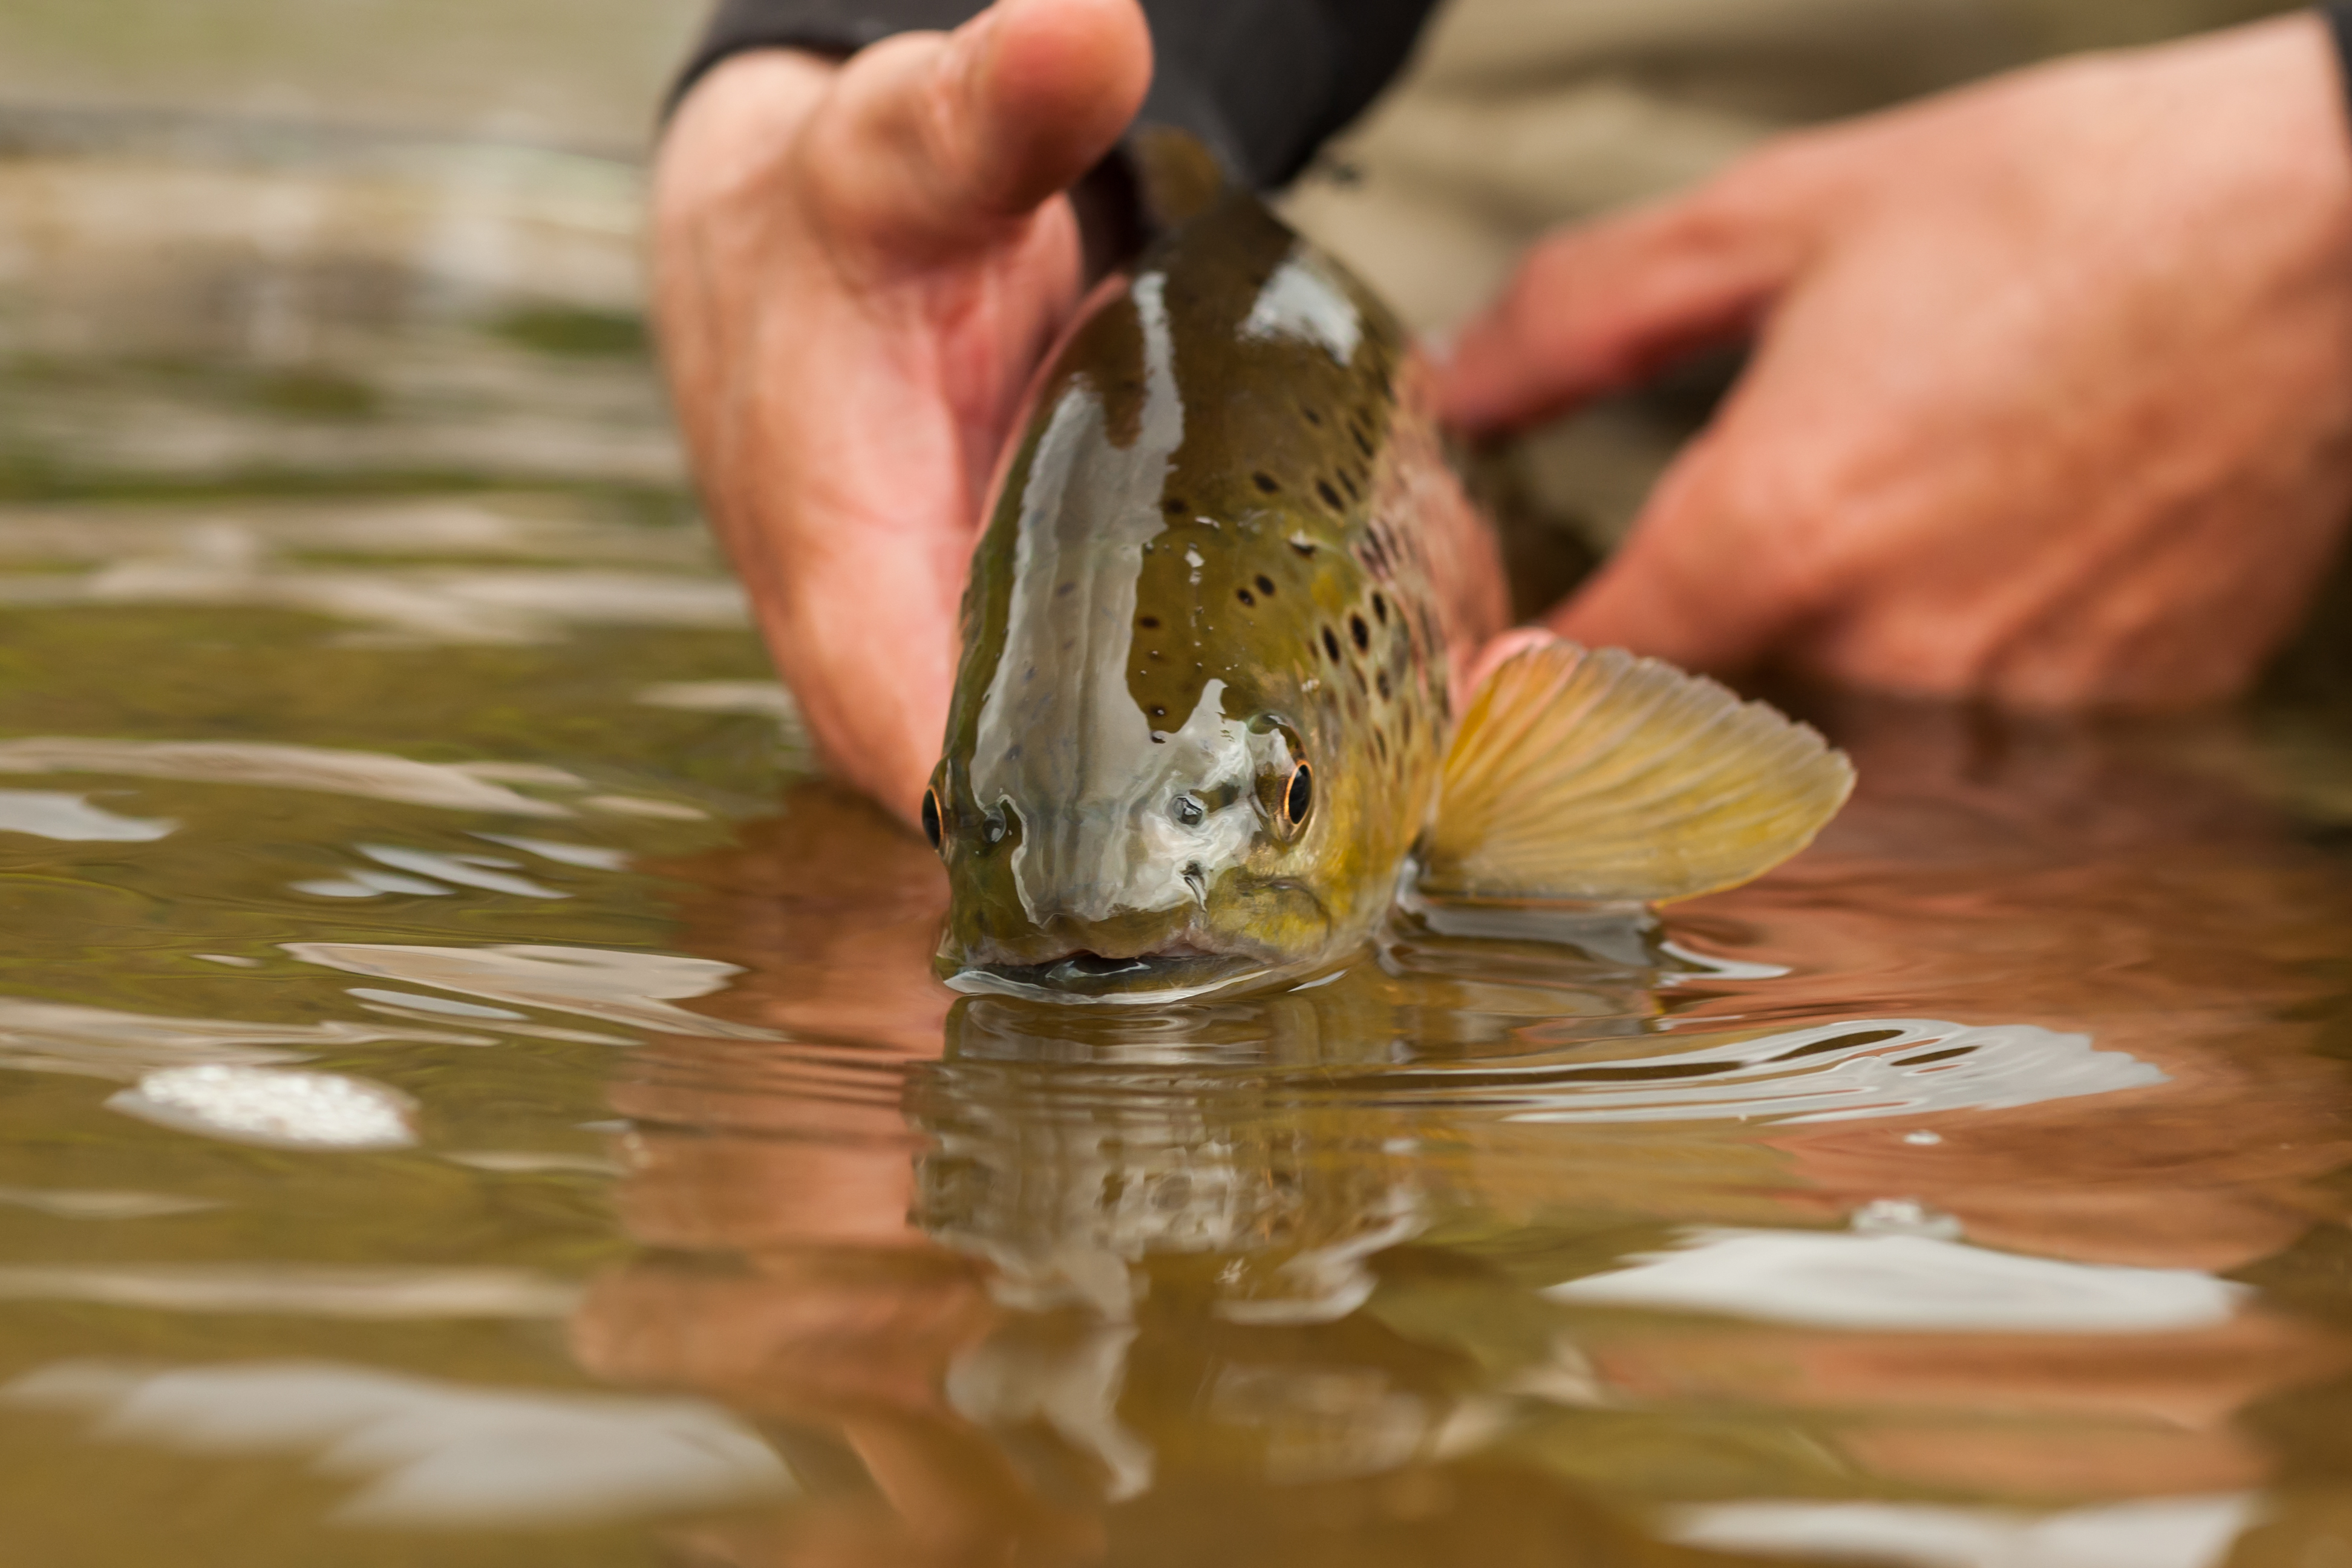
x: 2052, y: 395
x: 1223, y: 617
x: 857, y: 270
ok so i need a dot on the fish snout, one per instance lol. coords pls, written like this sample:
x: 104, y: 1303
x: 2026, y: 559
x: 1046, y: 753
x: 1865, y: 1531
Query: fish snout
x: 1066, y: 956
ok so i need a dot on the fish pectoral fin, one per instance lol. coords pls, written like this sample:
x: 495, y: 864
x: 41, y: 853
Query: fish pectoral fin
x: 1597, y: 776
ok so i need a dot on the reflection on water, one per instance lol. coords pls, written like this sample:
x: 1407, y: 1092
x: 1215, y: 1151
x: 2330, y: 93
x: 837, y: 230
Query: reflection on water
x: 1704, y: 1237
x: 468, y: 1096
x: 430, y: 1454
x: 1875, y: 1281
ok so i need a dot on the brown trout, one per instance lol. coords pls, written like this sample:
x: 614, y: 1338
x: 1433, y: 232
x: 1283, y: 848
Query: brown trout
x: 1210, y: 722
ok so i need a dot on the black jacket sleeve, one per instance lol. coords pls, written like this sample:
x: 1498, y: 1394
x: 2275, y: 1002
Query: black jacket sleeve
x: 1264, y: 83
x: 2339, y: 23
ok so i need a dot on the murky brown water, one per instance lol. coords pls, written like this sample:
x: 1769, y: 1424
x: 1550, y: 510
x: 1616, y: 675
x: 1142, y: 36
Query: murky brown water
x: 1974, y: 1191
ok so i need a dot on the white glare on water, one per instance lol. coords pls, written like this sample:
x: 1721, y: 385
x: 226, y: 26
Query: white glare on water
x: 273, y: 1105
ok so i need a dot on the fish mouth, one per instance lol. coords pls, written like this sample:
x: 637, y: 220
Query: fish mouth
x: 1084, y: 975
x: 1139, y: 956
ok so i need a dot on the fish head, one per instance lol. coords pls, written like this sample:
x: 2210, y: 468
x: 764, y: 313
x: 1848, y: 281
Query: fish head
x: 1187, y: 860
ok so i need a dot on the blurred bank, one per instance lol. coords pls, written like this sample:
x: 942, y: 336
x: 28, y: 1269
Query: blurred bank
x: 584, y: 75
x: 253, y: 244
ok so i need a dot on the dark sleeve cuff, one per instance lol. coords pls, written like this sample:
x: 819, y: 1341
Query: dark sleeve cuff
x: 838, y: 28
x: 2339, y: 26
x: 1262, y: 82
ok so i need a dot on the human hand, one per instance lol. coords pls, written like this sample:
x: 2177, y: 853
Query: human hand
x: 857, y: 268
x: 2052, y: 394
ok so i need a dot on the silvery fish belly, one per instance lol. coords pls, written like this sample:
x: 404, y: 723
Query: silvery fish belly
x: 1210, y: 710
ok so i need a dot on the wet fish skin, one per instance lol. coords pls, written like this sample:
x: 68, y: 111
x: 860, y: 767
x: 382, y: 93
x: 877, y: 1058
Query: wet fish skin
x: 1226, y: 547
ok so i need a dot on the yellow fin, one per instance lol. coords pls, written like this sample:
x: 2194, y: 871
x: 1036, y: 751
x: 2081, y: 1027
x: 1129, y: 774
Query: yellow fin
x: 1603, y: 777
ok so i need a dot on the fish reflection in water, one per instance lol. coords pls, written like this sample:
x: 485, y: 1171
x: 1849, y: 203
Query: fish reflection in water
x: 1488, y: 1247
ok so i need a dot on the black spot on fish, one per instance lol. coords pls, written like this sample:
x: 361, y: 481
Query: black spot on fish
x: 1149, y: 623
x: 1380, y: 609
x: 1380, y: 744
x: 1266, y: 585
x: 1264, y: 482
x: 1364, y: 442
x: 1360, y: 632
x: 1246, y: 596
x: 1175, y: 507
x: 1349, y: 484
x: 1404, y: 726
x: 1331, y: 644
x: 1065, y: 588
x: 1381, y: 680
x: 1312, y: 418
x: 1331, y: 497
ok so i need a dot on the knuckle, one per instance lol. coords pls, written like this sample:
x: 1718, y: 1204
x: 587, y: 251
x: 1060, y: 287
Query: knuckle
x: 1767, y: 177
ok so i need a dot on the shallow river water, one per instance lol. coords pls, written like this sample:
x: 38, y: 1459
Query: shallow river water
x: 470, y: 1094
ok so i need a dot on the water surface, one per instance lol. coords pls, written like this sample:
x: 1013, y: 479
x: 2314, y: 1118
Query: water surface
x: 470, y: 1093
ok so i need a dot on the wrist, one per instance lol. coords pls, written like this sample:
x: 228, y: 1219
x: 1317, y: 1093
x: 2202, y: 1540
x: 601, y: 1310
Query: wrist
x: 2273, y: 97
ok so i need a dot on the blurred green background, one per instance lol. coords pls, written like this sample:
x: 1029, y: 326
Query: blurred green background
x: 581, y: 74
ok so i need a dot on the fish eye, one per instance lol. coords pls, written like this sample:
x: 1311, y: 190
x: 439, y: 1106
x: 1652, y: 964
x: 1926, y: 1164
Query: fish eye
x: 992, y: 828
x: 1187, y: 810
x: 931, y: 817
x: 1299, y: 798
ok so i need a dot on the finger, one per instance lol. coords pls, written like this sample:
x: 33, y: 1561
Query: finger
x: 1690, y: 585
x: 865, y: 635
x: 937, y: 142
x: 1500, y: 650
x: 1594, y: 309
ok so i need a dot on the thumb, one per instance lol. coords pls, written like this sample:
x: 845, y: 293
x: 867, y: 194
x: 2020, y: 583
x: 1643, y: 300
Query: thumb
x: 1594, y: 309
x: 935, y: 142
